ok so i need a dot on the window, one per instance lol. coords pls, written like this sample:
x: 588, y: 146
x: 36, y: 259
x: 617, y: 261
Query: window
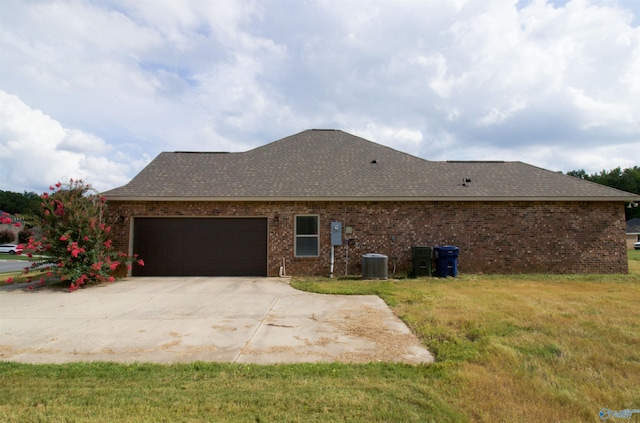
x: 307, y: 242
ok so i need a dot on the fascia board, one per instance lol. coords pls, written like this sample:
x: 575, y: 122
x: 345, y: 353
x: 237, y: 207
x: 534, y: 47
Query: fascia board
x: 629, y: 198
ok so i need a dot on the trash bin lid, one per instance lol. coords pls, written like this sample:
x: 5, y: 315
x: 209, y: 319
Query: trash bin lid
x: 447, y: 248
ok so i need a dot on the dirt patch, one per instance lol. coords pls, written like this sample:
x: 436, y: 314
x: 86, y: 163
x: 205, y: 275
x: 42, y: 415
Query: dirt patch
x: 373, y: 325
x: 7, y: 351
x: 366, y: 333
x: 224, y: 328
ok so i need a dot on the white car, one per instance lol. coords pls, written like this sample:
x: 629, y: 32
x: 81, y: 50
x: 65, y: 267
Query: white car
x: 10, y: 248
x: 636, y: 246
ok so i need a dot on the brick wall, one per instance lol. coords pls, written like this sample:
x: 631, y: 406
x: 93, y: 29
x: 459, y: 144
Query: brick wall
x: 493, y: 237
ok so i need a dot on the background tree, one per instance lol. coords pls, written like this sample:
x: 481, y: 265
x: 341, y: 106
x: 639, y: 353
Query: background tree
x: 626, y: 180
x: 22, y: 204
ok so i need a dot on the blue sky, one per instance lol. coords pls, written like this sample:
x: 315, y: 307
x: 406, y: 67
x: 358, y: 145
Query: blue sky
x: 97, y: 89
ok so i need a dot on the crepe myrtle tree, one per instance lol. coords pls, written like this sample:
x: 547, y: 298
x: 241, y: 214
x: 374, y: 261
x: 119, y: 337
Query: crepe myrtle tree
x: 75, y: 245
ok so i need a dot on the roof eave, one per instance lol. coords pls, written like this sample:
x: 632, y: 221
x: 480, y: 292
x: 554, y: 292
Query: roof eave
x: 376, y: 198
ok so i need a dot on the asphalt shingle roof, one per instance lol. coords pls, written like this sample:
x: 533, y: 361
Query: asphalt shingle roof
x: 335, y: 165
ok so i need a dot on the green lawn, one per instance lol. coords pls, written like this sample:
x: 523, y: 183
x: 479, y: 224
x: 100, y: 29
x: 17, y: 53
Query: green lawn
x: 508, y: 348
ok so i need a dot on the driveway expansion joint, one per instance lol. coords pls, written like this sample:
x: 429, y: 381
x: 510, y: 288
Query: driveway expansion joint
x: 260, y: 323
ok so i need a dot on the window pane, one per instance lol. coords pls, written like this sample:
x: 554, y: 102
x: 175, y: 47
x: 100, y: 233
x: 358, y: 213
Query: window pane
x: 307, y: 246
x: 306, y: 225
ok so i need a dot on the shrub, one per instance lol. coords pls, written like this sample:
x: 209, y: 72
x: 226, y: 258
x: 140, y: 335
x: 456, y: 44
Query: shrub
x: 75, y: 245
x: 7, y: 236
x: 24, y: 235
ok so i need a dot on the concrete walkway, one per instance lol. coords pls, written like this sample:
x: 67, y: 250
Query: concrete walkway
x: 166, y: 320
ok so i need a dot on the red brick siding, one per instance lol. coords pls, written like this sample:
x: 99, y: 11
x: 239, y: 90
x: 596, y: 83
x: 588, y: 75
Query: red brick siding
x: 493, y: 237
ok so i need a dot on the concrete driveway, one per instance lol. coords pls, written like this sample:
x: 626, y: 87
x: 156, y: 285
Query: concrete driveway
x: 166, y: 320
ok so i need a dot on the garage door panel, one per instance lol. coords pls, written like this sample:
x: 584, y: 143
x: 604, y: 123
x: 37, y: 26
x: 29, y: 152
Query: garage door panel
x: 201, y: 246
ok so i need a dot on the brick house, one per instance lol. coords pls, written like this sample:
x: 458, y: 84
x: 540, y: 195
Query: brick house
x: 251, y: 213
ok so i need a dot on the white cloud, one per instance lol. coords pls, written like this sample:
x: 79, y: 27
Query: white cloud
x: 76, y: 141
x: 36, y: 151
x: 496, y: 116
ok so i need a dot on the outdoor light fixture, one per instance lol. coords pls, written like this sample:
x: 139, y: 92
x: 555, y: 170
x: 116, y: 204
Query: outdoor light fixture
x: 632, y: 204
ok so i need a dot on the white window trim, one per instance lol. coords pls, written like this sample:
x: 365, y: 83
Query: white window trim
x: 296, y: 236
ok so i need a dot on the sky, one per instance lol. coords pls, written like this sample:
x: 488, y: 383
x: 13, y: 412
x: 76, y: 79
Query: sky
x: 94, y: 90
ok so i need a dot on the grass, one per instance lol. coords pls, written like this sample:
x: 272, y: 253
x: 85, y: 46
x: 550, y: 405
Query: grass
x: 508, y: 348
x: 106, y: 392
x: 555, y: 347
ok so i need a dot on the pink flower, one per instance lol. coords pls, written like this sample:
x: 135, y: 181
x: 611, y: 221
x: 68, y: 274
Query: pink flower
x: 140, y: 262
x: 30, y: 288
x: 75, y: 251
x: 63, y: 238
x: 5, y: 218
x: 9, y: 280
x: 111, y: 279
x: 58, y: 185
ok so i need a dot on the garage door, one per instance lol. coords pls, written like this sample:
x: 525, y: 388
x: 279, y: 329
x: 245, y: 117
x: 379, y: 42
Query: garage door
x: 201, y: 246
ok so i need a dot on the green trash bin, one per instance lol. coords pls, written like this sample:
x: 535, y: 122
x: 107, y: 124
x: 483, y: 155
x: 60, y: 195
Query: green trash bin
x: 422, y: 259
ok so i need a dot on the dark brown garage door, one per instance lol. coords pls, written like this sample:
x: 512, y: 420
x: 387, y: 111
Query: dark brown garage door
x: 201, y: 246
